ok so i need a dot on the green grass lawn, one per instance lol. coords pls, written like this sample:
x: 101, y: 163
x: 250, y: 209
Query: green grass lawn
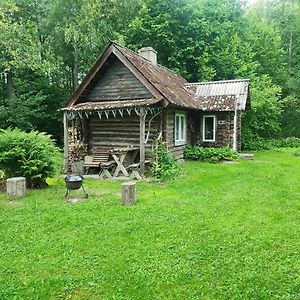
x: 217, y: 232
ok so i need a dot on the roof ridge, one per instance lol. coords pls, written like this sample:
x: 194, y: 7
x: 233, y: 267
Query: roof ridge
x: 147, y: 61
x: 217, y: 82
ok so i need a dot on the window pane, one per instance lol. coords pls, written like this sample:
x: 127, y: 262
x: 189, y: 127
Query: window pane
x: 209, y: 128
x: 177, y: 128
x: 182, y: 128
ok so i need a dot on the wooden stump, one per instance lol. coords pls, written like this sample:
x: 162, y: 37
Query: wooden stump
x: 128, y: 193
x: 77, y: 167
x: 16, y: 186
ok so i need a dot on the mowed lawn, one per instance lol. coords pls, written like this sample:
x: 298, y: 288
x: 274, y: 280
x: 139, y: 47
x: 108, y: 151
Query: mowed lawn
x: 220, y: 231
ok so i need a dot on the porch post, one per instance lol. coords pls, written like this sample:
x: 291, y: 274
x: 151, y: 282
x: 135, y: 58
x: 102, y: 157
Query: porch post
x: 234, y: 146
x: 66, y: 144
x: 142, y: 141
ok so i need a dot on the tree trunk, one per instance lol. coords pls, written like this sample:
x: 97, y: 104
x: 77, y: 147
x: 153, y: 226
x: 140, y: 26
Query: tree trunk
x: 9, y: 84
x: 290, y: 40
x: 75, y: 68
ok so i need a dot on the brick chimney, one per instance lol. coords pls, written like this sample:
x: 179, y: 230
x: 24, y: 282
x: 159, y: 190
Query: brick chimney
x: 149, y: 53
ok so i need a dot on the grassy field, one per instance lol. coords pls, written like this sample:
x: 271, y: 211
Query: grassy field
x: 223, y: 231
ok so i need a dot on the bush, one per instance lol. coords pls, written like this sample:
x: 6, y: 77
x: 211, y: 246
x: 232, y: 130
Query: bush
x: 164, y: 166
x: 210, y: 154
x: 258, y: 143
x: 32, y: 155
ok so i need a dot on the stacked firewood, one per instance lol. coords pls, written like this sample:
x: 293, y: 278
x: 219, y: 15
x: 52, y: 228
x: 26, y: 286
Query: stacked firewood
x: 74, y: 135
x: 77, y: 152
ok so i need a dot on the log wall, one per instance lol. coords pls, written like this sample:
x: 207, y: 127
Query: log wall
x: 120, y: 132
x: 125, y: 132
x: 225, y: 129
x: 169, y: 131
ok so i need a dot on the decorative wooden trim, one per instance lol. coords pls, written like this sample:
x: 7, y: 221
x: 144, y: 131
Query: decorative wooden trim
x: 118, y: 112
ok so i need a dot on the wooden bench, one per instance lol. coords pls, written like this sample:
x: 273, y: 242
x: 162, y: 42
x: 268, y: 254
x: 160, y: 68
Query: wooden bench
x: 99, y: 160
x: 134, y: 168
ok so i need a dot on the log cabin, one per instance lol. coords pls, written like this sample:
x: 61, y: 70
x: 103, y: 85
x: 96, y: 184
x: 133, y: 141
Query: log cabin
x: 127, y: 100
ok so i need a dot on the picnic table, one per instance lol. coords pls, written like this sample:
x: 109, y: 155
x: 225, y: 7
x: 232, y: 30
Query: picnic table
x: 120, y: 155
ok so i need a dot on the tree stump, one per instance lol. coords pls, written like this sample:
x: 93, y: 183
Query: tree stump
x: 16, y: 186
x: 128, y: 193
x: 77, y: 167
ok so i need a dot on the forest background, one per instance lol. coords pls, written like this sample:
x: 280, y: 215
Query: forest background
x: 47, y: 46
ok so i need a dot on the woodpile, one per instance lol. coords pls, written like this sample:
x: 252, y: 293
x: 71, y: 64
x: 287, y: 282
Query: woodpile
x: 77, y: 152
x: 77, y: 149
x: 74, y: 134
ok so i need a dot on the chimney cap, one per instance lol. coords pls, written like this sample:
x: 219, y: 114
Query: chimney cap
x: 149, y: 53
x: 147, y: 49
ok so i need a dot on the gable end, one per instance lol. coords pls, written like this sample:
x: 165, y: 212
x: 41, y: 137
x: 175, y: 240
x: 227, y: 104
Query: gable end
x: 117, y: 83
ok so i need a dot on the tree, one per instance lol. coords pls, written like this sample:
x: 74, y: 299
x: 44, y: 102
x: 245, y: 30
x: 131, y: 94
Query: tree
x: 263, y: 119
x: 46, y: 48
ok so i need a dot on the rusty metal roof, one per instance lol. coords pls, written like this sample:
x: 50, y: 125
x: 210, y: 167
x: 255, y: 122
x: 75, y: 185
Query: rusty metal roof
x: 219, y: 92
x: 165, y: 85
x: 105, y: 105
x: 217, y: 103
x: 171, y: 85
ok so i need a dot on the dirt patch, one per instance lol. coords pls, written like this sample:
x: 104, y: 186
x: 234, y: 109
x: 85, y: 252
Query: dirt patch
x: 93, y: 192
x: 10, y: 203
x: 75, y: 199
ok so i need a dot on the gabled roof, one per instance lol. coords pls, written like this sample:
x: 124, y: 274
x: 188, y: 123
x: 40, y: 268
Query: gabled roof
x: 221, y: 95
x: 168, y: 83
x: 161, y: 82
x: 163, y: 85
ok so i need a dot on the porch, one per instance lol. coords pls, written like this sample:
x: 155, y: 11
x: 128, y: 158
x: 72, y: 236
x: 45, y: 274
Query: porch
x: 124, y: 132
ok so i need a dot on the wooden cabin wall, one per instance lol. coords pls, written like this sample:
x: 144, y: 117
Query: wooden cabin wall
x: 169, y: 131
x: 118, y: 83
x: 224, y: 132
x: 120, y: 132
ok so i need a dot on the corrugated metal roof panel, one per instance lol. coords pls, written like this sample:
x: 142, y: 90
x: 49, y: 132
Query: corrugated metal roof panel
x: 237, y: 88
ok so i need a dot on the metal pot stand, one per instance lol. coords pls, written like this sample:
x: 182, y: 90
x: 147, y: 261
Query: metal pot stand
x: 74, y: 182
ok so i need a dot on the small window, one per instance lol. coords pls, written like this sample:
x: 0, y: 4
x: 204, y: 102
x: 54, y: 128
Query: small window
x: 180, y: 129
x: 209, y: 128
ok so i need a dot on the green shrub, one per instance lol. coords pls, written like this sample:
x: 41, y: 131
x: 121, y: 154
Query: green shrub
x: 255, y: 143
x: 210, y: 154
x: 164, y: 166
x: 32, y: 155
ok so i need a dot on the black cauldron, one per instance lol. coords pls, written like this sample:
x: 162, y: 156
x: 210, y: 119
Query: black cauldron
x: 73, y: 182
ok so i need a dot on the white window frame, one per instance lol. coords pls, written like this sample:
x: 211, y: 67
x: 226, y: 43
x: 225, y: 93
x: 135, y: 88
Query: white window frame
x: 182, y: 129
x: 214, y: 128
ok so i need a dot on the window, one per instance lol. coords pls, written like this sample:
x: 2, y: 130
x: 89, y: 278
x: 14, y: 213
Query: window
x: 209, y: 128
x: 180, y: 129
